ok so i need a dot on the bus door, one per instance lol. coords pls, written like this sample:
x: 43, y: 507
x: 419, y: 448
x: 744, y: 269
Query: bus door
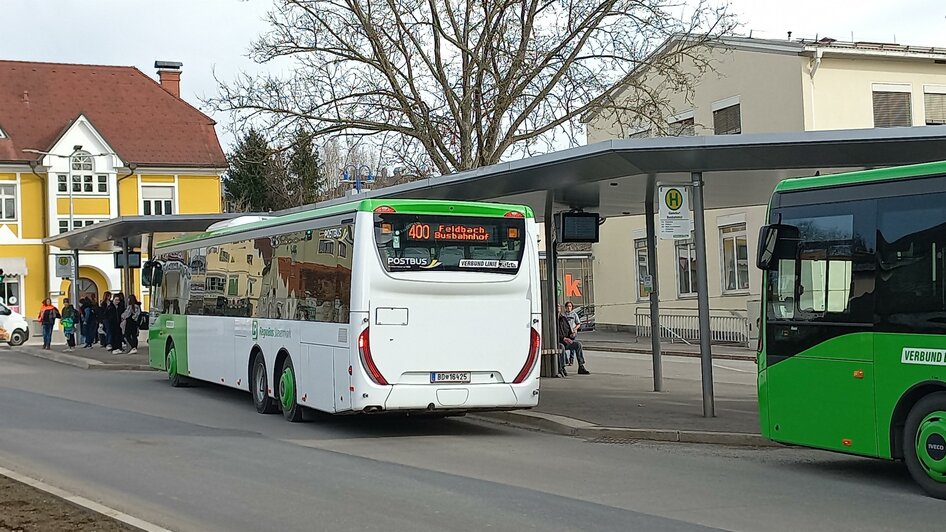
x: 819, y: 371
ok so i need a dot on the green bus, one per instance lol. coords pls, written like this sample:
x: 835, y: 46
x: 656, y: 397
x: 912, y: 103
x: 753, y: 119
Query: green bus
x: 852, y: 355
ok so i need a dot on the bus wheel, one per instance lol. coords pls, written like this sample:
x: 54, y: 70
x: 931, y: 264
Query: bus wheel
x: 259, y: 387
x: 924, y: 444
x: 287, y: 393
x: 170, y: 362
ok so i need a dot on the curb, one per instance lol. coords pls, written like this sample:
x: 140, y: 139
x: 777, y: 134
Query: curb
x: 77, y: 361
x: 567, y: 426
x: 644, y: 351
x: 82, y: 502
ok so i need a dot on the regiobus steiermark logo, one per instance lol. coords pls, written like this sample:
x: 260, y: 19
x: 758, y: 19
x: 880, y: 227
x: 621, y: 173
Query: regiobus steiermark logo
x: 255, y: 330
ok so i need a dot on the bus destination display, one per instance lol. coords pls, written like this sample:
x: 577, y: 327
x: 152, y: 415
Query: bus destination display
x: 451, y: 232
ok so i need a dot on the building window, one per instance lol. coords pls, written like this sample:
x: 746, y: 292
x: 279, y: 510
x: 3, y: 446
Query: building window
x: 686, y: 268
x: 10, y: 293
x: 215, y: 284
x: 934, y: 105
x: 892, y: 105
x: 643, y: 270
x: 224, y: 256
x: 682, y: 128
x: 233, y: 286
x: 735, y: 254
x: 76, y: 224
x: 82, y: 162
x: 327, y: 246
x: 83, y: 184
x: 157, y: 201
x: 342, y: 250
x: 8, y: 202
x: 727, y: 121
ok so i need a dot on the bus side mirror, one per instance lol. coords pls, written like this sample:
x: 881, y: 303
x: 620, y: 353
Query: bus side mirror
x: 146, y: 271
x: 772, y: 241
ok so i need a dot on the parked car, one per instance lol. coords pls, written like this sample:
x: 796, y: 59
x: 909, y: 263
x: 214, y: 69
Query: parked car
x: 14, y: 329
x: 587, y: 317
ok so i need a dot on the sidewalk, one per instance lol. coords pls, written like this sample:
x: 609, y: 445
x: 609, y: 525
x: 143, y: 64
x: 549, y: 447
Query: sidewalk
x: 617, y: 403
x: 94, y: 358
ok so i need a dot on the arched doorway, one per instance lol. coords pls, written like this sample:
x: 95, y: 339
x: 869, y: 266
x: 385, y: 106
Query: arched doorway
x: 88, y: 288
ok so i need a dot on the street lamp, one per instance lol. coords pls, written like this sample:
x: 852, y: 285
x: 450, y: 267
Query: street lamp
x: 357, y: 177
x: 71, y: 185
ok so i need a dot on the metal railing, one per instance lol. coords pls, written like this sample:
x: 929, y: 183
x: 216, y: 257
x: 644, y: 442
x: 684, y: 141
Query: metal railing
x: 726, y: 326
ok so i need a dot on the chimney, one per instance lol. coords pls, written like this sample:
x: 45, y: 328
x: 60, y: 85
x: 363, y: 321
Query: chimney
x: 169, y: 74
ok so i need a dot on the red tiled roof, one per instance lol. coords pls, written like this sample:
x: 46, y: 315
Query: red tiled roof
x: 141, y: 121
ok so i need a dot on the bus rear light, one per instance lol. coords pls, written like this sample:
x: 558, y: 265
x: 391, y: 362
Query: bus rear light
x: 364, y: 349
x: 514, y: 214
x: 384, y: 209
x: 535, y: 342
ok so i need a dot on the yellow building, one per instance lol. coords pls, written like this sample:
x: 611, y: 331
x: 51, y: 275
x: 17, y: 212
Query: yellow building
x: 89, y: 143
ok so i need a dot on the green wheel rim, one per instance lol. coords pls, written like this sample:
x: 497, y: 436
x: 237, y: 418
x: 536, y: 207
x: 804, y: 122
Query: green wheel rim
x: 287, y: 388
x: 931, y: 445
x: 172, y: 363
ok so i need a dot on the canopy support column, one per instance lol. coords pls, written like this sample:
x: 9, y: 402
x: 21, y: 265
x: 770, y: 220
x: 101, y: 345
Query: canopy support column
x: 75, y: 279
x: 127, y: 278
x: 550, y: 316
x: 652, y: 271
x: 702, y: 292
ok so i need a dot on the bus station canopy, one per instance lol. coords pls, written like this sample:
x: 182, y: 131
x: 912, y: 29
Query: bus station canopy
x: 611, y: 177
x: 110, y: 234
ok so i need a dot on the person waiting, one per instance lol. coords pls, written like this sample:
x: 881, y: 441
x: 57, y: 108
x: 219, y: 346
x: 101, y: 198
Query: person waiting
x: 569, y: 344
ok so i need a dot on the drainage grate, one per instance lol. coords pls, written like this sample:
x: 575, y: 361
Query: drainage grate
x: 613, y: 441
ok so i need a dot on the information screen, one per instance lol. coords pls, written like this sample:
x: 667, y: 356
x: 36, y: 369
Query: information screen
x: 579, y: 227
x: 451, y: 232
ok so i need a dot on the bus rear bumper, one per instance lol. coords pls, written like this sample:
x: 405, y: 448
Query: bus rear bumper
x: 453, y: 397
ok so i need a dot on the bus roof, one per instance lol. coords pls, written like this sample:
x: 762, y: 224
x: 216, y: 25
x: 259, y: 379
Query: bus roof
x: 863, y: 176
x: 405, y: 206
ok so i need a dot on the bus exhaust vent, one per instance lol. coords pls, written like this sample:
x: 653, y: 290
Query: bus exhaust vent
x: 343, y: 335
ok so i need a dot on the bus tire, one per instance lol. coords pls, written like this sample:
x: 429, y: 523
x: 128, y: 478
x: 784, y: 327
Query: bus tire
x: 175, y: 379
x: 259, y: 387
x: 924, y: 444
x: 286, y: 387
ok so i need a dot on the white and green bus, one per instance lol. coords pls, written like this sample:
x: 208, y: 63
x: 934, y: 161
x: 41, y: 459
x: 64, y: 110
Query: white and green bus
x: 371, y: 306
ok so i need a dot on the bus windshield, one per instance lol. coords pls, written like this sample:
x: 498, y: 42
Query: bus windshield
x: 409, y: 242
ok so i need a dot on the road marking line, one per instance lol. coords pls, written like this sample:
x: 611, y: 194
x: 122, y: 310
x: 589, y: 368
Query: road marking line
x: 88, y: 504
x: 733, y: 369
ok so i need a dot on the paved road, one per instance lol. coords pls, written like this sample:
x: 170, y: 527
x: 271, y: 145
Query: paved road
x: 202, y: 459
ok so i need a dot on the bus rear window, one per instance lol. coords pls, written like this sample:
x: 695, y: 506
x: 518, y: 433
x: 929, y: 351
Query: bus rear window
x: 415, y: 242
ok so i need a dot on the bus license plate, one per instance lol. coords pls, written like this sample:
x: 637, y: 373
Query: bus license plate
x: 449, y: 376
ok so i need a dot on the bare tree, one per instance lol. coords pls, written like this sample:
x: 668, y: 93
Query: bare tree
x: 452, y: 84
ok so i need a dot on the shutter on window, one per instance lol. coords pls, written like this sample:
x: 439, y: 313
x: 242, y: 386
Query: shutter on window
x: 892, y: 109
x: 935, y: 105
x: 727, y: 121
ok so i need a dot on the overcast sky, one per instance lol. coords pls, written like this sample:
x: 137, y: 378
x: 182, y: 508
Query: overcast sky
x: 211, y: 36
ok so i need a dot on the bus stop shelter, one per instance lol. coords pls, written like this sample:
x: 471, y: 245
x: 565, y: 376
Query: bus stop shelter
x: 618, y: 177
x: 128, y: 233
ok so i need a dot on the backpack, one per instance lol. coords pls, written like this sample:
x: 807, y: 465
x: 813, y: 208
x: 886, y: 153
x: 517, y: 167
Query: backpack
x: 143, y: 320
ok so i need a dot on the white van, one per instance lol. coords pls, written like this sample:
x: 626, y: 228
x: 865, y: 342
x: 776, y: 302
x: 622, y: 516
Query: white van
x: 14, y: 328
